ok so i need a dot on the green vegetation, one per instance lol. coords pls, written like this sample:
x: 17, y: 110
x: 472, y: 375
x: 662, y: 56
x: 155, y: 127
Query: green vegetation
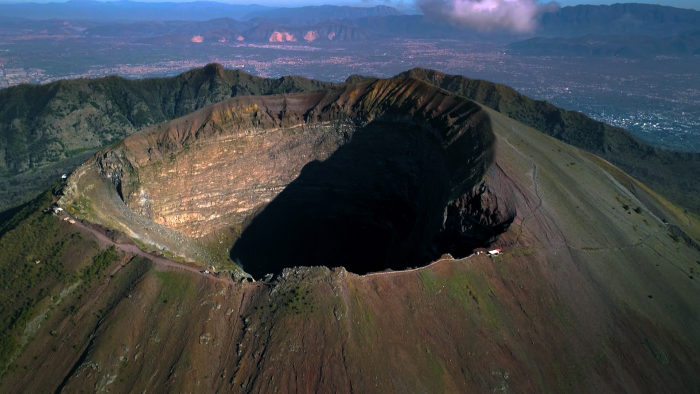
x: 30, y: 251
x: 174, y: 287
x: 469, y: 290
x: 17, y: 189
x: 459, y: 286
x: 674, y: 237
x: 298, y: 301
x: 294, y: 301
x: 99, y: 263
x: 34, y: 246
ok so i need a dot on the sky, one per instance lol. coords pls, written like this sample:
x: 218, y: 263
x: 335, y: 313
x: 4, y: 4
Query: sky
x: 675, y: 3
x: 401, y: 4
x: 404, y: 3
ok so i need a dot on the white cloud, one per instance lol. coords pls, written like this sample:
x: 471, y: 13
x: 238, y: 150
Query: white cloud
x: 486, y: 15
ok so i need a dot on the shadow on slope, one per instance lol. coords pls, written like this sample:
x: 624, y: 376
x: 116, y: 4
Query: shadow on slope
x: 379, y: 202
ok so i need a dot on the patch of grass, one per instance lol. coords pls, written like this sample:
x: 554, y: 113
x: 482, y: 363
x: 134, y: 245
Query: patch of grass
x: 468, y: 290
x: 83, y: 207
x: 99, y: 263
x: 174, y: 287
x: 674, y: 237
x: 79, y: 151
x: 436, y: 372
x: 31, y: 246
x: 459, y: 286
x: 297, y: 301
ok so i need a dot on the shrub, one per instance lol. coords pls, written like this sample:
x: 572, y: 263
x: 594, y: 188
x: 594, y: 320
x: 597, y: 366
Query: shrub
x: 99, y: 263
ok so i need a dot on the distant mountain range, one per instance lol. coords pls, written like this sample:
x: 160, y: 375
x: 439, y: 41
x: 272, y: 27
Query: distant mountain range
x: 631, y: 46
x: 619, y: 19
x: 374, y: 22
x: 230, y: 30
x: 320, y: 13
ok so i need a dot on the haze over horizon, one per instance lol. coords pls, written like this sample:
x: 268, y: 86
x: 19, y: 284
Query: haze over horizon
x: 402, y: 4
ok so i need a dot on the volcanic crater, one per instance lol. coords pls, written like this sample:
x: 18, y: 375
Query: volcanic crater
x: 373, y: 176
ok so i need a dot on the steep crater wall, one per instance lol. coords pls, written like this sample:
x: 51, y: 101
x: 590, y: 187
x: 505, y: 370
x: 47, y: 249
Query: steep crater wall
x: 361, y: 176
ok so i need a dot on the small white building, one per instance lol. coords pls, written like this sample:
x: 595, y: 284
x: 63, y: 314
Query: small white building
x: 494, y: 252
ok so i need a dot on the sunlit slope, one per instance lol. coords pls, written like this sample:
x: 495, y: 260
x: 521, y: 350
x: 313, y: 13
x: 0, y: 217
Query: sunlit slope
x: 637, y: 250
x: 594, y: 293
x: 670, y: 173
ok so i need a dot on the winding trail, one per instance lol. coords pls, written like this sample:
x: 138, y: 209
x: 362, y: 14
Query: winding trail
x: 133, y: 249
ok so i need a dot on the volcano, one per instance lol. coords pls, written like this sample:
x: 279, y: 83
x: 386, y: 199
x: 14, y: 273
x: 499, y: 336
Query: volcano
x: 335, y: 241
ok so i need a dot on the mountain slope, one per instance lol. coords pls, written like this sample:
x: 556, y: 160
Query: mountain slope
x: 595, y: 290
x: 64, y: 114
x: 324, y: 12
x: 668, y: 172
x: 46, y: 125
x: 620, y: 19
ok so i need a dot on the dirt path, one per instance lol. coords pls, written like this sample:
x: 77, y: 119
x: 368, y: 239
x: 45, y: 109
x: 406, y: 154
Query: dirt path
x: 412, y: 269
x: 133, y: 249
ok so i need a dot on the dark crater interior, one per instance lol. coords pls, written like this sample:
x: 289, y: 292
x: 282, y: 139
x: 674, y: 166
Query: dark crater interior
x: 391, y: 198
